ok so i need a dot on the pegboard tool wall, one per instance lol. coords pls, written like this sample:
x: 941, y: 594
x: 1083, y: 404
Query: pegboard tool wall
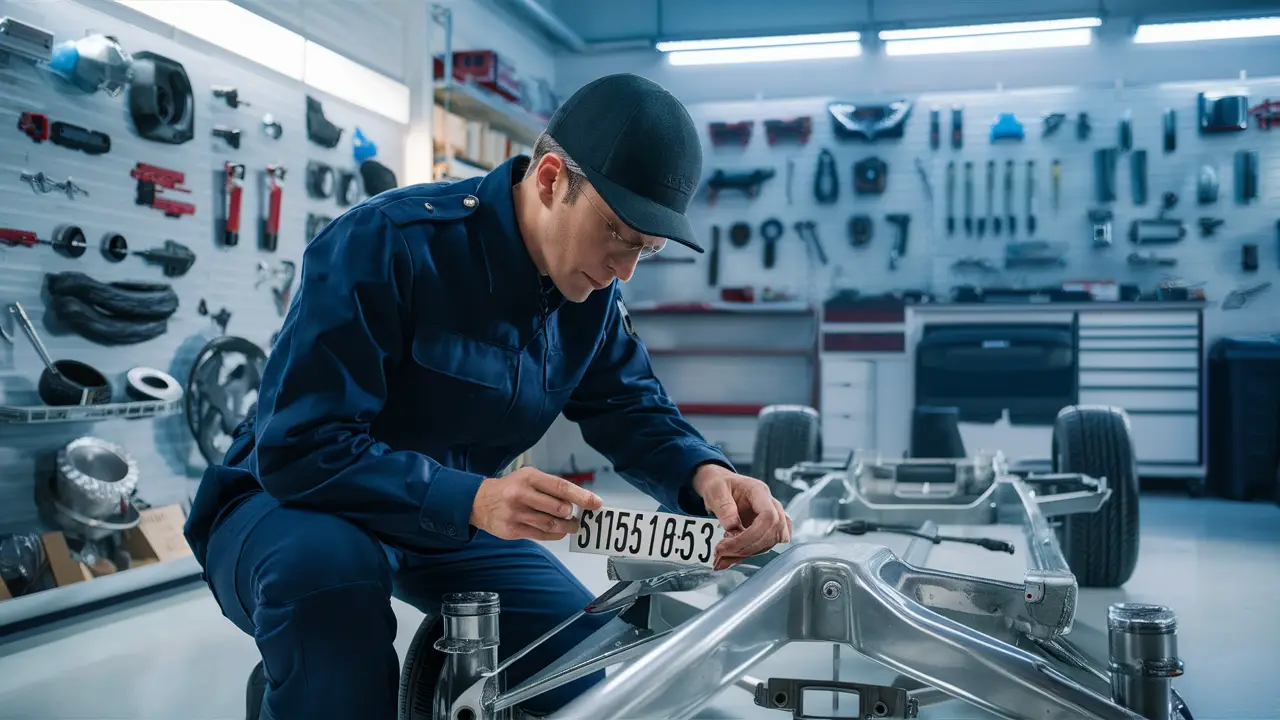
x: 931, y: 251
x: 168, y: 462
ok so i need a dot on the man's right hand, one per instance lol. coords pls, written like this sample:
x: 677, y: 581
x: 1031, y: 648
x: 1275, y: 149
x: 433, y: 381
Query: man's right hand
x: 529, y: 504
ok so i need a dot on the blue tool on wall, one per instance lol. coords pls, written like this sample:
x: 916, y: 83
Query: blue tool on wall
x: 1006, y: 127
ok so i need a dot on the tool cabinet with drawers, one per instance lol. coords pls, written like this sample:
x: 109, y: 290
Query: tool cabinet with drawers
x: 1150, y: 364
x: 1146, y: 358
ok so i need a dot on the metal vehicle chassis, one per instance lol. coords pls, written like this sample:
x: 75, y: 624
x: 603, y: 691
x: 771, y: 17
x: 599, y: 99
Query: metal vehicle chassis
x: 1000, y: 646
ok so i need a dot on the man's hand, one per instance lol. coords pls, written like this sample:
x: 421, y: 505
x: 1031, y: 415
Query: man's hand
x: 753, y: 520
x: 529, y: 504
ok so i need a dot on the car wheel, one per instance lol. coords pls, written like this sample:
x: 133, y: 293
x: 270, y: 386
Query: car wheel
x: 1100, y: 547
x: 785, y: 436
x: 422, y: 667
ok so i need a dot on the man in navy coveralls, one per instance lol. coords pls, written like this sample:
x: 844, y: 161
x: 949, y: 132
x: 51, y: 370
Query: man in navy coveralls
x: 437, y: 332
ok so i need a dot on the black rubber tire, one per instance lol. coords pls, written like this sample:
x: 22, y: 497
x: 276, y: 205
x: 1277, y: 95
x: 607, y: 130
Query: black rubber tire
x: 785, y: 435
x: 1101, y: 548
x: 253, y: 692
x: 422, y: 667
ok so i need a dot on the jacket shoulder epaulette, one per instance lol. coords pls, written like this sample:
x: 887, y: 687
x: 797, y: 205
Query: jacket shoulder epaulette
x: 425, y: 207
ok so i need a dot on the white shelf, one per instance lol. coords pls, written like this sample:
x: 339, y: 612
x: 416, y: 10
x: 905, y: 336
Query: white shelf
x: 476, y: 103
x: 87, y: 413
x: 458, y: 169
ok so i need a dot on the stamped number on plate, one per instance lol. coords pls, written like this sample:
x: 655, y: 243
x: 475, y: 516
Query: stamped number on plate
x: 655, y: 535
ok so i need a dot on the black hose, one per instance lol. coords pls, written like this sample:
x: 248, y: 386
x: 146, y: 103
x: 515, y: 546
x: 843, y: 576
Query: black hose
x: 862, y: 527
x: 126, y: 300
x: 103, y: 329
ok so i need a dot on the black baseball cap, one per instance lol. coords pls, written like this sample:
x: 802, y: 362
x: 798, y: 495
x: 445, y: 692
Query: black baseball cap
x: 639, y: 148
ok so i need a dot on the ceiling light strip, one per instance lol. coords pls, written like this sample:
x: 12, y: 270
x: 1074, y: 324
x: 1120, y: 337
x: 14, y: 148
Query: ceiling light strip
x: 991, y: 29
x: 757, y: 42
x: 1207, y: 30
x: 779, y: 53
x: 991, y: 43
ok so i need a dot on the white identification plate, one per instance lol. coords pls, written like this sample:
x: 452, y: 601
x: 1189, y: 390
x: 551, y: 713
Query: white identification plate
x: 654, y: 535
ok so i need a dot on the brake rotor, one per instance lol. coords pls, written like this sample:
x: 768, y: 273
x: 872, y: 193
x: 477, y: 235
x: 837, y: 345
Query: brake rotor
x: 222, y: 388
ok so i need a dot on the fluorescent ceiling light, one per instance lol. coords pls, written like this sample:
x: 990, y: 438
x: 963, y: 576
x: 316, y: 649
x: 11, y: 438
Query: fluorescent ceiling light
x: 239, y: 31
x: 776, y: 53
x: 991, y: 43
x: 1209, y: 30
x: 992, y: 29
x: 233, y: 29
x: 330, y: 72
x: 756, y: 42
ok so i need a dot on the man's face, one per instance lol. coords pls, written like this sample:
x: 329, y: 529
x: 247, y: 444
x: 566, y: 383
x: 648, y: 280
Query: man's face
x: 586, y: 245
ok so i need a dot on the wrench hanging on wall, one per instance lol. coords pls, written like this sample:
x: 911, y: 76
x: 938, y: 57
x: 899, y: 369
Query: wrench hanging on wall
x: 1008, y: 197
x: 996, y: 221
x: 951, y: 197
x: 968, y: 197
x: 991, y: 186
x: 1031, y: 197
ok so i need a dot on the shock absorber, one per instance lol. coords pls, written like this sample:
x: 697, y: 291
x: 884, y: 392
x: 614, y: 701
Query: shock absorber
x: 470, y: 642
x: 273, y: 192
x: 1144, y: 658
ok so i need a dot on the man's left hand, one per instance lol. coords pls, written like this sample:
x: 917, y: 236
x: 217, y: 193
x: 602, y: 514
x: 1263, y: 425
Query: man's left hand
x: 753, y: 520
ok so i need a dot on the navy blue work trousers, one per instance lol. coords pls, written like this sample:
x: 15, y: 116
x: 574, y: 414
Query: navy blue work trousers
x: 314, y: 591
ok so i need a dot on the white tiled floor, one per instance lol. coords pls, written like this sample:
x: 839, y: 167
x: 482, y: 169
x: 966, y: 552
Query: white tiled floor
x: 1217, y: 563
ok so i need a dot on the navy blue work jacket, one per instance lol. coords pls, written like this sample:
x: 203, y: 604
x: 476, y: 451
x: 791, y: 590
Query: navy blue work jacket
x: 422, y: 353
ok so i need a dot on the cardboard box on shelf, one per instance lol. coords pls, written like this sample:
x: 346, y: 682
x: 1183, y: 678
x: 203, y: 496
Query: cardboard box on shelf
x: 493, y: 150
x: 66, y: 570
x: 473, y: 148
x: 449, y: 129
x: 157, y: 538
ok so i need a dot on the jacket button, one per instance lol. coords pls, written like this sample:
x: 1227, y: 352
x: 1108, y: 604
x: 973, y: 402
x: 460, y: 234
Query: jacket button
x: 429, y: 207
x: 429, y: 525
x: 470, y: 201
x: 451, y: 529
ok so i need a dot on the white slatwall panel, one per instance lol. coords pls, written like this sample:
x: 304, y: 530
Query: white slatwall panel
x: 931, y: 252
x: 223, y: 277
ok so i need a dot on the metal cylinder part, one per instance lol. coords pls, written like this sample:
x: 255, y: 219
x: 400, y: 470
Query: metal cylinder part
x: 1143, y: 643
x: 96, y: 478
x: 470, y: 642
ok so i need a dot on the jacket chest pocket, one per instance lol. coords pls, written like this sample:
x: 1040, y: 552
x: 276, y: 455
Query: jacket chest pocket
x: 465, y: 387
x: 568, y: 354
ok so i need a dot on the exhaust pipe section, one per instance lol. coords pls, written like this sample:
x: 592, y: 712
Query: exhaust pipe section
x: 470, y: 642
x: 1143, y: 642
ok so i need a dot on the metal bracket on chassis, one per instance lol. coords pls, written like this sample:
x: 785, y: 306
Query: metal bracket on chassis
x: 839, y: 593
x: 1042, y: 606
x: 874, y: 701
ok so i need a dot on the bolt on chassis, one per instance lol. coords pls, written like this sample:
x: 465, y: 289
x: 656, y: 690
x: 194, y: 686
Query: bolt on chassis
x: 1000, y: 646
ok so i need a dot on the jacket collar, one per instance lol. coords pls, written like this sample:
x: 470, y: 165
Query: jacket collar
x: 512, y: 272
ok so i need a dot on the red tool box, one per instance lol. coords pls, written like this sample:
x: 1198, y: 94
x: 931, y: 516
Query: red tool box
x: 485, y: 68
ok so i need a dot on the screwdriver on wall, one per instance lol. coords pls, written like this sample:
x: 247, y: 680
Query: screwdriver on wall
x: 951, y: 197
x: 1008, y: 197
x: 1031, y: 197
x: 991, y: 190
x: 968, y: 197
x: 1056, y: 171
